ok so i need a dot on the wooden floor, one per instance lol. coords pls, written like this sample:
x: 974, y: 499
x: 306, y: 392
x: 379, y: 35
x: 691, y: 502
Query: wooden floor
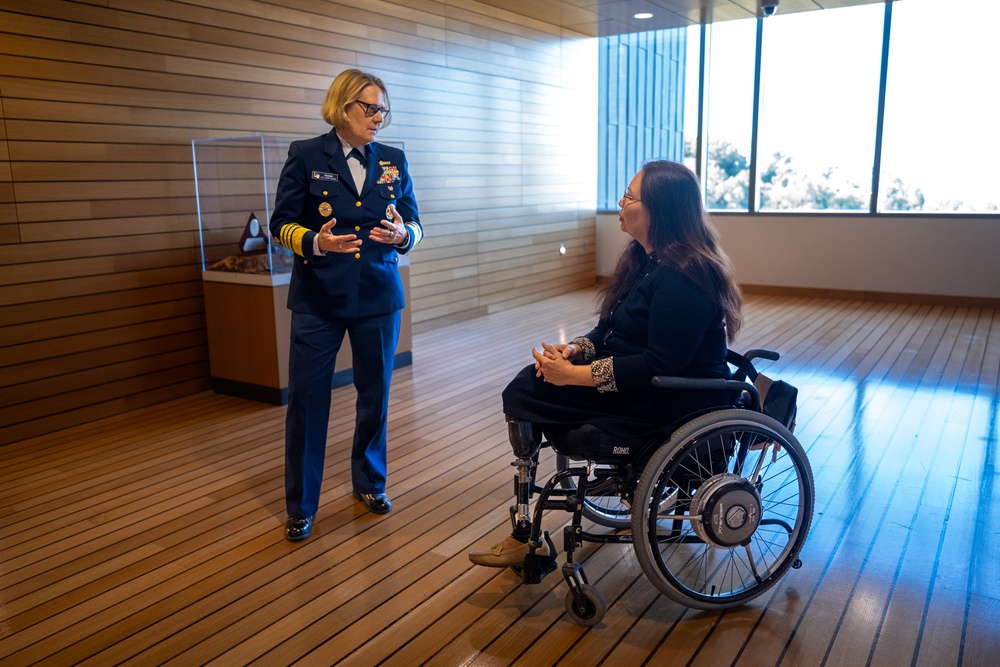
x: 156, y: 537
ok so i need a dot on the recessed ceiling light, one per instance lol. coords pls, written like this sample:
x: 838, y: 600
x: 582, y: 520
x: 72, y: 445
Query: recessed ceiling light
x: 643, y: 15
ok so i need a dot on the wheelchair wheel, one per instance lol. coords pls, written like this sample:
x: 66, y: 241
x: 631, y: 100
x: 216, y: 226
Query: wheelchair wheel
x: 743, y: 502
x: 602, y: 505
x: 591, y: 611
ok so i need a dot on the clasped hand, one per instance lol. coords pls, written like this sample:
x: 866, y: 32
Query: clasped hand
x: 554, y: 364
x: 391, y: 232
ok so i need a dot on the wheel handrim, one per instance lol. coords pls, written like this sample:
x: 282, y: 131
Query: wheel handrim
x: 714, y: 566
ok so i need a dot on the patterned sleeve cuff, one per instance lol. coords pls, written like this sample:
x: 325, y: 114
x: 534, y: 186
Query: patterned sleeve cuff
x: 586, y: 346
x: 603, y: 371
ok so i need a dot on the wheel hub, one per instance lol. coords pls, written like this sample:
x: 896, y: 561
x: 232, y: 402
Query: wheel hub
x: 729, y: 507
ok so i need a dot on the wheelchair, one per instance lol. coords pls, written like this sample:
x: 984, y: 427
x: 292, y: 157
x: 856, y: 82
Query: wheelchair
x: 716, y: 505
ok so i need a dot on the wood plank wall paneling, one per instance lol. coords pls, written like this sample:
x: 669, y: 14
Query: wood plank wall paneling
x: 101, y: 305
x: 8, y: 216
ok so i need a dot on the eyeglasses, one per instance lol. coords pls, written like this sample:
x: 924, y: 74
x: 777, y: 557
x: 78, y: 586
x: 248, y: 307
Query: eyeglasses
x: 372, y: 109
x: 628, y: 198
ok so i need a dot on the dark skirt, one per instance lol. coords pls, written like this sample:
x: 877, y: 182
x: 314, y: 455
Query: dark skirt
x: 628, y: 413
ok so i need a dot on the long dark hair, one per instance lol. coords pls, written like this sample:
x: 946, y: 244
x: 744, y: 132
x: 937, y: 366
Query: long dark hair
x: 681, y: 234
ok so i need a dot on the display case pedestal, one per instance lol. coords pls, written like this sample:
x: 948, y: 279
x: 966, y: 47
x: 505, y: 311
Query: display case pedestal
x: 249, y: 327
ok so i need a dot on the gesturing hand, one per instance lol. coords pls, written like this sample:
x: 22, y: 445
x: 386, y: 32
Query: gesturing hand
x: 392, y: 232
x: 329, y: 242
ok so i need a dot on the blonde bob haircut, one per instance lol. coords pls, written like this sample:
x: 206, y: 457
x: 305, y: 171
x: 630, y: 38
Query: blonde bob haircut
x: 345, y: 91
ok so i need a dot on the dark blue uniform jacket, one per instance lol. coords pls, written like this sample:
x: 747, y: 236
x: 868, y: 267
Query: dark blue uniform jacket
x: 316, y: 185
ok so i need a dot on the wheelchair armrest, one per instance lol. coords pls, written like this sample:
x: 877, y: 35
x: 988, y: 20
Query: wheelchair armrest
x: 709, y: 384
x: 760, y: 353
x: 744, y: 362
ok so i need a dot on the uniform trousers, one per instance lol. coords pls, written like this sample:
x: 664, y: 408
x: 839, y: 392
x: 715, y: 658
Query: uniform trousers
x: 315, y: 342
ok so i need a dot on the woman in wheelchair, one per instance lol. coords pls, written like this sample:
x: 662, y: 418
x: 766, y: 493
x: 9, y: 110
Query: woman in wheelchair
x: 671, y: 309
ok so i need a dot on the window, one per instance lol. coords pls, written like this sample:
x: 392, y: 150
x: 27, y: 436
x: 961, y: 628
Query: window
x: 818, y: 109
x: 820, y: 142
x: 730, y: 114
x: 941, y: 138
x: 692, y: 128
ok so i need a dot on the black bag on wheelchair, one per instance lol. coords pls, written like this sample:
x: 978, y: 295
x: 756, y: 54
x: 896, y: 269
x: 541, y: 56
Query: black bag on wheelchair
x: 777, y: 397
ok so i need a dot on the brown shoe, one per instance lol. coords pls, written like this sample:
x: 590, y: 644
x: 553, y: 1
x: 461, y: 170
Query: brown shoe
x: 509, y: 553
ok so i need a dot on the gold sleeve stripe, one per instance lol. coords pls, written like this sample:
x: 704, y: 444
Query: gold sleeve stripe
x: 291, y: 237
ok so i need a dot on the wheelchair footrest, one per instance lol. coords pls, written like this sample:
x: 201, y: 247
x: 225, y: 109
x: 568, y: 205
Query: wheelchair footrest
x: 536, y: 567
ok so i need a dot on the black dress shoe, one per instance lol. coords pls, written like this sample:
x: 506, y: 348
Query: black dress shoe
x: 298, y: 529
x: 377, y: 503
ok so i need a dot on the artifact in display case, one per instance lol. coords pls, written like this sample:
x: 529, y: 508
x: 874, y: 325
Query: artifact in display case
x: 253, y: 241
x: 234, y: 176
x: 255, y: 253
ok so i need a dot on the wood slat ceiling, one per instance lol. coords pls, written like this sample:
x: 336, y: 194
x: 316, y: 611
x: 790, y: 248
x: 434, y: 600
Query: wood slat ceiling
x: 616, y: 17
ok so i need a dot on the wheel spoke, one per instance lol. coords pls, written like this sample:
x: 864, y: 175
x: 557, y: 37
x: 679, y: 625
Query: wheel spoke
x: 742, y: 470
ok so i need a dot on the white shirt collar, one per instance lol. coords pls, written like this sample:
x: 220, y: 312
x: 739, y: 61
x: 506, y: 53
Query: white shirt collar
x: 347, y: 147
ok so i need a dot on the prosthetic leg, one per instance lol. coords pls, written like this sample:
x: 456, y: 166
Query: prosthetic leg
x: 526, y: 439
x: 525, y: 548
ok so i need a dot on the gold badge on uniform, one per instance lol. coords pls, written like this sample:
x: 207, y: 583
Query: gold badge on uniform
x: 325, y: 209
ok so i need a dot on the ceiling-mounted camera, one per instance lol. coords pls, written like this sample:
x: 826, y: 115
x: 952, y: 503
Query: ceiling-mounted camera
x: 768, y: 7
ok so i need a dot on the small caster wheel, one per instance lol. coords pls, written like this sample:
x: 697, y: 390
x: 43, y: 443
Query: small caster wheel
x: 593, y: 609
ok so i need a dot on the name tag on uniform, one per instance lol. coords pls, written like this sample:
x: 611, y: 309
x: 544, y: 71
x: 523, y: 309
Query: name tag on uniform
x: 325, y: 176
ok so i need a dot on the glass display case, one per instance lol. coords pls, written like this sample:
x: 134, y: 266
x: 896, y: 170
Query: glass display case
x: 235, y: 179
x: 246, y: 274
